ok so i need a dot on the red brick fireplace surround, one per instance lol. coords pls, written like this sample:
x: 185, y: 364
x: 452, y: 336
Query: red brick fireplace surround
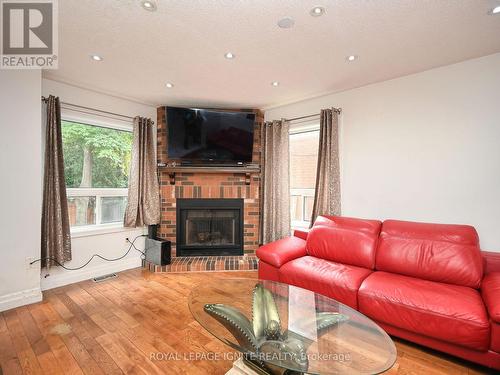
x: 199, y: 184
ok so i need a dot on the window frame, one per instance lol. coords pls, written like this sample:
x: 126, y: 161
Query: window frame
x: 100, y: 228
x: 303, y: 193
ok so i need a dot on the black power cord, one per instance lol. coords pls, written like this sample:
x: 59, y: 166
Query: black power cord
x: 132, y: 245
x: 143, y: 256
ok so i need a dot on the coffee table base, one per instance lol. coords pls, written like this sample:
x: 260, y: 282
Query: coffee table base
x: 242, y: 367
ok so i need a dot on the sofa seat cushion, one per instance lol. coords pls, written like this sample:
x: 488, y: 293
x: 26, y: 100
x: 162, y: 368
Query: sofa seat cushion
x: 490, y: 289
x: 279, y: 252
x: 450, y: 313
x: 495, y: 337
x: 338, y: 281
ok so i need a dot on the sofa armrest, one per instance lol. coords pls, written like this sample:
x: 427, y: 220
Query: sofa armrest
x: 491, y: 261
x: 490, y: 291
x: 282, y: 251
x: 301, y: 233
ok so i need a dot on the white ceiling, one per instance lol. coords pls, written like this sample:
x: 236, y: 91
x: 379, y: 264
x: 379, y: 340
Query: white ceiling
x: 184, y: 42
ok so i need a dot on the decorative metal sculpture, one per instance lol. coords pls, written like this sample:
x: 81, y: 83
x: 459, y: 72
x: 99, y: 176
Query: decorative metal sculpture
x: 263, y: 337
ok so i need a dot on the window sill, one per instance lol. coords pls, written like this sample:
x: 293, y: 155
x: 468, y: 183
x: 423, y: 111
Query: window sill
x: 301, y: 225
x: 95, y: 230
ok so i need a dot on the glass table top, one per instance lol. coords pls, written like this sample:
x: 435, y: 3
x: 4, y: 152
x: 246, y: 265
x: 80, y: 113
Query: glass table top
x: 279, y: 326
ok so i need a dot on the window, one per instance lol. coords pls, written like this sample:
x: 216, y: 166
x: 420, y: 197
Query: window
x: 303, y: 163
x: 96, y: 167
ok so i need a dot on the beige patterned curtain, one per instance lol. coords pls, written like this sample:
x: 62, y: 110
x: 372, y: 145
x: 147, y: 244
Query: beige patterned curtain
x: 327, y: 193
x: 56, y: 237
x: 143, y: 207
x: 275, y: 181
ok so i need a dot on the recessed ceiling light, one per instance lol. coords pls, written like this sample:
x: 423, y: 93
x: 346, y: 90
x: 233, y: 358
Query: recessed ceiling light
x: 96, y: 57
x: 351, y: 58
x: 229, y: 55
x: 495, y: 10
x: 275, y: 83
x: 148, y: 5
x: 169, y: 85
x: 317, y: 11
x: 286, y: 23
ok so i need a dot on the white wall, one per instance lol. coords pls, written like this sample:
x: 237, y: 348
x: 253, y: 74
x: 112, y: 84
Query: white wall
x: 21, y: 187
x: 109, y: 245
x: 424, y: 147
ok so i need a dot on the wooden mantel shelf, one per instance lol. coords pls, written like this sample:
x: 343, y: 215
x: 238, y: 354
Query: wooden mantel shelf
x: 247, y: 170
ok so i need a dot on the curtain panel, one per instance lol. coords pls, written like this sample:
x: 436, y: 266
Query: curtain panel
x: 327, y: 192
x: 56, y: 237
x: 143, y: 206
x: 275, y: 181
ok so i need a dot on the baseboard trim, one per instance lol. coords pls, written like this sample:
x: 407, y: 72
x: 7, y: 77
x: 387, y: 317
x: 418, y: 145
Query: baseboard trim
x: 70, y: 277
x: 24, y: 297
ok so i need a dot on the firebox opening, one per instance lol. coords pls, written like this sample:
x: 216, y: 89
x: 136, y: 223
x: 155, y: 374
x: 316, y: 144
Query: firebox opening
x: 209, y: 227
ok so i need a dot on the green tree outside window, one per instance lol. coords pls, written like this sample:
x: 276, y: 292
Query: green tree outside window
x: 95, y: 157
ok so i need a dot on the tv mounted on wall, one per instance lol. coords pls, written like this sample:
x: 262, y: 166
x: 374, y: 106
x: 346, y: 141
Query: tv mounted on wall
x: 210, y: 136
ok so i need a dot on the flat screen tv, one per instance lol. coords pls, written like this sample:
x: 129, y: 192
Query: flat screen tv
x: 210, y: 136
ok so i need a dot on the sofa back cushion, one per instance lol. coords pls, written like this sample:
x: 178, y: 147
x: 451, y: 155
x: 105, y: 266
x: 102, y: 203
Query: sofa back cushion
x: 344, y: 240
x: 436, y: 252
x: 362, y: 225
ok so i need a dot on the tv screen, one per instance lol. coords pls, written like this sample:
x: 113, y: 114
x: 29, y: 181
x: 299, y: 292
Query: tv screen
x: 210, y: 135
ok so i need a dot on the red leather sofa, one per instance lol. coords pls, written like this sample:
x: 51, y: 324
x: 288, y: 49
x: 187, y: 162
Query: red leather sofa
x: 427, y: 283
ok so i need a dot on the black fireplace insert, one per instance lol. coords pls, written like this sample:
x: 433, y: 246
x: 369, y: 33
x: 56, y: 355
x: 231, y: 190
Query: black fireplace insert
x: 209, y: 227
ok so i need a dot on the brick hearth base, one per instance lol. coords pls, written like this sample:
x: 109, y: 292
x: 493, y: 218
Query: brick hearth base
x: 206, y: 264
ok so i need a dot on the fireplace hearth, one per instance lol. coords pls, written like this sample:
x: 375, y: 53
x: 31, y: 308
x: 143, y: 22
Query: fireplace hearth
x: 208, y: 227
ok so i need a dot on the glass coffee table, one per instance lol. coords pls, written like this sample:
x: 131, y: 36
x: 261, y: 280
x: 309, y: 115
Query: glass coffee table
x: 283, y: 329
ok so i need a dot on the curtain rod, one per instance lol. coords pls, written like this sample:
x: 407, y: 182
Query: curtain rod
x: 336, y: 110
x: 44, y: 99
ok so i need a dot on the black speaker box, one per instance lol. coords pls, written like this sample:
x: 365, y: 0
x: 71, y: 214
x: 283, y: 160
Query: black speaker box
x: 153, y: 231
x: 158, y: 252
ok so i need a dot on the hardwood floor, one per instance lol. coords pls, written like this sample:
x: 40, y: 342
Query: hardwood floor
x: 117, y: 326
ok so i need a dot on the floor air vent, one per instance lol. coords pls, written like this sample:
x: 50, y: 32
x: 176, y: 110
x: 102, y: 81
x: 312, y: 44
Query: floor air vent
x: 104, y: 277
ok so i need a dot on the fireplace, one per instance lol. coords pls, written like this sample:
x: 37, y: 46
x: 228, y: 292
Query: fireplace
x: 209, y: 227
